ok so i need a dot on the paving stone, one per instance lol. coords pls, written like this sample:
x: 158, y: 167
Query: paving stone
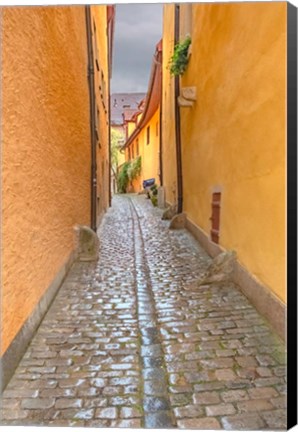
x: 130, y: 412
x: 189, y: 411
x: 95, y: 402
x: 243, y: 421
x: 13, y: 414
x: 206, y: 398
x: 264, y: 371
x: 266, y: 360
x: 234, y: 395
x: 254, y: 405
x: 180, y: 399
x: 153, y: 404
x: 106, y: 413
x: 154, y: 373
x: 219, y: 410
x: 76, y: 414
x: 21, y: 393
x: 58, y: 392
x: 262, y: 393
x: 73, y: 382
x: 127, y: 423
x: 199, y: 423
x: 225, y: 374
x: 68, y: 403
x: 275, y: 419
x: 155, y: 387
x: 158, y: 420
x: 37, y: 403
x: 246, y: 361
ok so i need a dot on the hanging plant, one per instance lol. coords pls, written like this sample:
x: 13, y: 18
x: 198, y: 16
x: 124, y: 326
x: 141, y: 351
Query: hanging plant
x: 179, y: 60
x: 134, y: 169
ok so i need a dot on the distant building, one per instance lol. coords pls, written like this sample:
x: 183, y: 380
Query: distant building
x: 143, y: 128
x: 124, y: 108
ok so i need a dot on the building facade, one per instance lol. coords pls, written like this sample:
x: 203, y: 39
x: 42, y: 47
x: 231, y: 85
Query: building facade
x: 55, y: 145
x: 144, y: 129
x: 232, y: 128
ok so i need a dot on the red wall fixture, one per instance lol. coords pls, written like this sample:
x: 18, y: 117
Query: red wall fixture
x: 215, y: 217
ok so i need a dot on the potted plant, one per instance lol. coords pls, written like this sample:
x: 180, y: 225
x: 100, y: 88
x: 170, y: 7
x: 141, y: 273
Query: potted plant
x: 179, y: 60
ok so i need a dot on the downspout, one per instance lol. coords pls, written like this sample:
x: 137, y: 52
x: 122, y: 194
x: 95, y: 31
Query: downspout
x: 110, y: 157
x: 177, y: 121
x: 93, y: 185
x: 160, y: 132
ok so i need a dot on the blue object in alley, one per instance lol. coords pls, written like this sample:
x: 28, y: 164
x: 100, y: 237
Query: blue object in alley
x: 148, y: 183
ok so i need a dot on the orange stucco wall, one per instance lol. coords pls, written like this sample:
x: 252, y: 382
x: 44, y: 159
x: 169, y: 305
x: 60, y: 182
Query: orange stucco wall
x: 234, y: 137
x: 45, y: 151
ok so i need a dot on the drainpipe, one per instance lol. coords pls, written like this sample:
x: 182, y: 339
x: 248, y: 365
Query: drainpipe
x: 160, y: 132
x: 93, y: 185
x: 177, y: 121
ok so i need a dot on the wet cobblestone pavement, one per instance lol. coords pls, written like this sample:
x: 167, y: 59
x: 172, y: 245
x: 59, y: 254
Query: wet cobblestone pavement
x: 130, y: 342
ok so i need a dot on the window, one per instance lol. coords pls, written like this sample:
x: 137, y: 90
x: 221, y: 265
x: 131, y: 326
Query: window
x: 138, y: 152
x: 148, y: 135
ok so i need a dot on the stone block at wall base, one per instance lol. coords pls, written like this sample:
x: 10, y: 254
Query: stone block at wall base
x: 17, y: 348
x: 266, y: 302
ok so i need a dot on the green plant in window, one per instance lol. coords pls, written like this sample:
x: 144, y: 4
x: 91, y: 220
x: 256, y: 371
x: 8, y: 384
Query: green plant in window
x: 179, y: 60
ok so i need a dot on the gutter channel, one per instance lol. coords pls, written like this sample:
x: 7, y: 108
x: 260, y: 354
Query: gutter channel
x: 155, y: 398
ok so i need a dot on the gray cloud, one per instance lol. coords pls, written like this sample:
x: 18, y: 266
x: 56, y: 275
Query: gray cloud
x: 138, y: 28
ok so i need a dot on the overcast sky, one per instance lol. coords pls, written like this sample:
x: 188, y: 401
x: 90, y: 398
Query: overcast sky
x: 138, y: 28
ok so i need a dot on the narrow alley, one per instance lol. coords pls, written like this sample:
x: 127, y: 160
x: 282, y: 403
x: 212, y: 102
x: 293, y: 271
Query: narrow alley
x: 131, y: 341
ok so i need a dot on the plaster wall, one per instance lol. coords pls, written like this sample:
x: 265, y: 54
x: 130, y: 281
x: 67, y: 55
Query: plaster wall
x: 45, y: 151
x: 234, y: 138
x: 101, y: 78
x: 148, y: 152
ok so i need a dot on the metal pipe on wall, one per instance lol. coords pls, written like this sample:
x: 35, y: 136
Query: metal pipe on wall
x: 93, y: 183
x: 177, y: 121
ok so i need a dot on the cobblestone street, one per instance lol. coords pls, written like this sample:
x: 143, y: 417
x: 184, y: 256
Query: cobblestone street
x: 129, y: 341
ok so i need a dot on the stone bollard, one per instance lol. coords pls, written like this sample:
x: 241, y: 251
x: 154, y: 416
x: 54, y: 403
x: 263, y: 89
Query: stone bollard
x: 169, y: 213
x: 161, y: 197
x: 178, y: 221
x: 220, y: 270
x: 87, y: 243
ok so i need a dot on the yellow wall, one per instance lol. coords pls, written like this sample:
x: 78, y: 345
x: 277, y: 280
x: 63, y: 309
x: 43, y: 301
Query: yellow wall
x: 233, y: 139
x: 45, y: 151
x: 148, y: 152
x: 130, y: 127
x: 168, y: 111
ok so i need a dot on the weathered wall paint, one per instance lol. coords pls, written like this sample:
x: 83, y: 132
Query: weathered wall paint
x: 101, y: 78
x: 148, y: 152
x: 45, y: 151
x: 234, y: 137
x: 168, y: 110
